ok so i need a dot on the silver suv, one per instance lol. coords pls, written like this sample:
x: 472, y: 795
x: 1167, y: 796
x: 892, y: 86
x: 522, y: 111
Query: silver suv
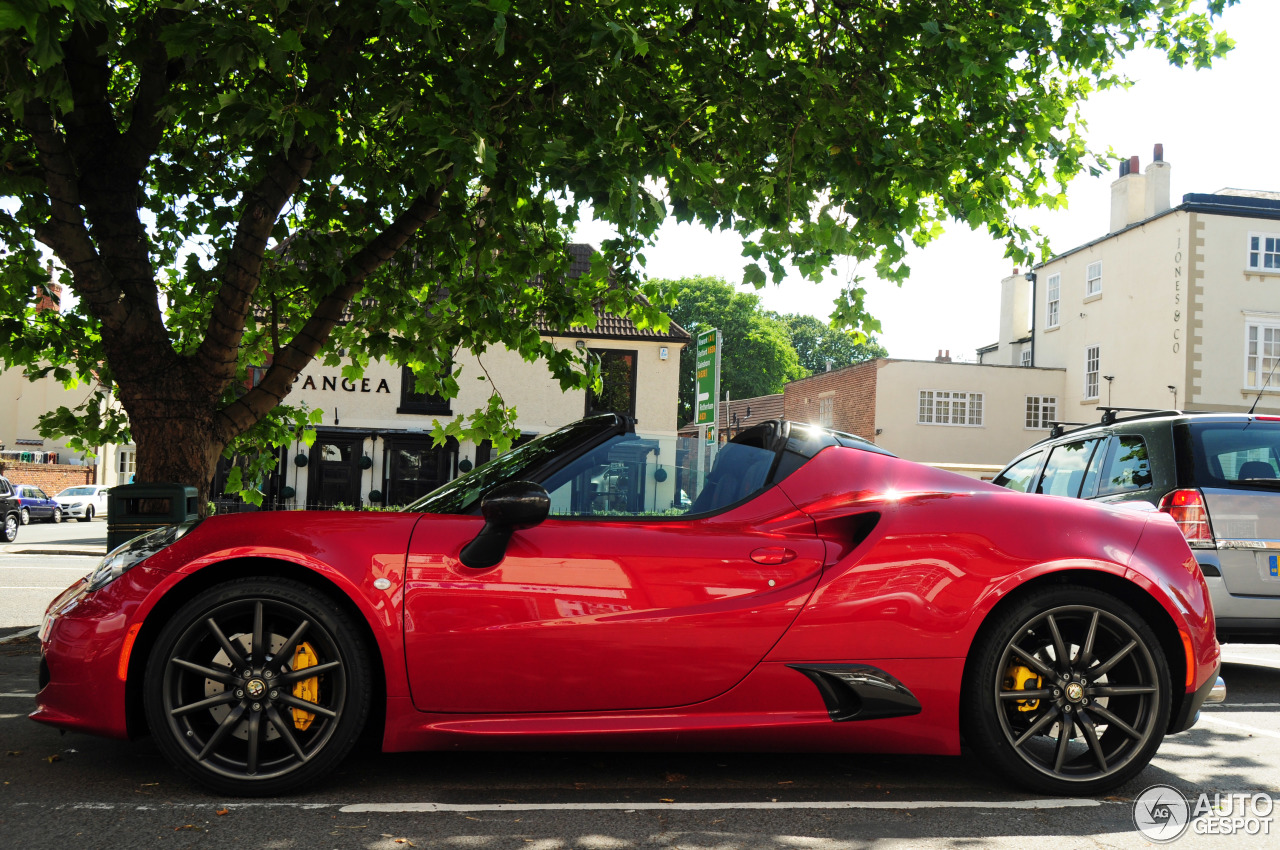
x: 1216, y: 474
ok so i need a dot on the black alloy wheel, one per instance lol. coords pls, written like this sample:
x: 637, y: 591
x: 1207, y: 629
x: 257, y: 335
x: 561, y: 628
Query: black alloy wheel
x: 258, y: 686
x: 1068, y: 692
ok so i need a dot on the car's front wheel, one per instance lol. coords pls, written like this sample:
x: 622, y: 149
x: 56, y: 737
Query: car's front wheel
x: 26, y: 517
x: 88, y: 514
x: 1067, y: 691
x: 258, y: 686
x: 10, y: 528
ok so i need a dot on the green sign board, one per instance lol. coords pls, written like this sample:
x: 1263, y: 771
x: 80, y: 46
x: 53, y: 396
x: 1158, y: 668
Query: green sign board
x: 706, y: 383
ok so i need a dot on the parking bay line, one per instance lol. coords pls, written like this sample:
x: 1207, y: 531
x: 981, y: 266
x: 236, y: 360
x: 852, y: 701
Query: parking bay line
x: 412, y: 808
x: 1240, y: 727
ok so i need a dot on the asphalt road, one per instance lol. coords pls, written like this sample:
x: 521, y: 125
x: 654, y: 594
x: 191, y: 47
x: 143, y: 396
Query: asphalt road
x: 77, y: 791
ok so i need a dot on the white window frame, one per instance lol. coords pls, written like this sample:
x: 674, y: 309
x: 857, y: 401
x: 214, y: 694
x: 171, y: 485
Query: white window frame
x: 1092, y: 369
x: 1257, y: 257
x: 1040, y: 411
x: 1024, y: 359
x: 1093, y: 279
x: 1053, y: 292
x: 827, y: 411
x: 126, y: 463
x: 941, y: 407
x: 1261, y: 354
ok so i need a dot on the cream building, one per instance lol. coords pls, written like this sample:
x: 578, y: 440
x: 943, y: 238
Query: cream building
x: 374, y: 445
x: 1175, y: 307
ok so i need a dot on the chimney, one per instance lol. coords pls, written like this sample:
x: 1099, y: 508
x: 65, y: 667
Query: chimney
x: 943, y: 358
x: 1157, y: 175
x: 1128, y: 196
x: 49, y: 297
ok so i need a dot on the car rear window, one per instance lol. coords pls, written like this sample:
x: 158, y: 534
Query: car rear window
x: 1235, y: 454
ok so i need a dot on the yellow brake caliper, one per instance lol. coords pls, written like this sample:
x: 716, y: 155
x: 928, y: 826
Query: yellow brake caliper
x: 1019, y: 678
x: 308, y: 689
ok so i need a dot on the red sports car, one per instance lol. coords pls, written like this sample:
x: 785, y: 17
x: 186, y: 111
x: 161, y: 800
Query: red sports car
x: 602, y: 588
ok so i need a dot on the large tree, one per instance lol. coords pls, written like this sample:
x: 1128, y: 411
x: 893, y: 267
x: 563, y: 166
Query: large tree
x: 756, y: 353
x: 820, y: 347
x: 415, y: 156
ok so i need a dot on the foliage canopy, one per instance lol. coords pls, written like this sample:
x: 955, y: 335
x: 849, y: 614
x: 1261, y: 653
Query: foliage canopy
x: 415, y: 156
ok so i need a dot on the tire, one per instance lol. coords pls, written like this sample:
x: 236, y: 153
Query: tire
x: 57, y: 516
x: 201, y: 706
x: 26, y: 517
x: 88, y: 514
x: 1109, y: 737
x: 10, y: 527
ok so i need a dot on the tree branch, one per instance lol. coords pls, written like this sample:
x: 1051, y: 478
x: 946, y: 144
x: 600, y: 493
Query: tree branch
x: 243, y: 413
x: 218, y: 352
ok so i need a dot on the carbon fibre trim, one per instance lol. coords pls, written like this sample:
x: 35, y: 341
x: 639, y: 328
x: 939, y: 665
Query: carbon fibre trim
x: 860, y: 691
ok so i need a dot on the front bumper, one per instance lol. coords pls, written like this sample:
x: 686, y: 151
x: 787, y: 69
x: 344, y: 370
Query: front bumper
x: 84, y: 653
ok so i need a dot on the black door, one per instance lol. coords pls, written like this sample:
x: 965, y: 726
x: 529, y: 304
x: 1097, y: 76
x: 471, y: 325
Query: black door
x: 334, y: 477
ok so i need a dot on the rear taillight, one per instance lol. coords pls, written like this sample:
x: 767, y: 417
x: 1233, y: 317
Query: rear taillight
x: 1187, y: 509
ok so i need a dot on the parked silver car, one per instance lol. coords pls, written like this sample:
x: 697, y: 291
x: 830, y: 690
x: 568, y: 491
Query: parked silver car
x: 1216, y: 474
x: 83, y: 502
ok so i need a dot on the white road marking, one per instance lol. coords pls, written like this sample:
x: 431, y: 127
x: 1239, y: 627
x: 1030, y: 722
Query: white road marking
x: 407, y: 808
x: 32, y: 587
x: 1241, y: 705
x: 22, y: 633
x: 1252, y: 730
x: 16, y: 696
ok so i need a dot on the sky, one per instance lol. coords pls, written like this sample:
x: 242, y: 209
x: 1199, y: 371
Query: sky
x: 1215, y: 133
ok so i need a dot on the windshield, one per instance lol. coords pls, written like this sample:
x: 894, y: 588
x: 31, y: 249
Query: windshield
x: 463, y: 494
x: 77, y: 491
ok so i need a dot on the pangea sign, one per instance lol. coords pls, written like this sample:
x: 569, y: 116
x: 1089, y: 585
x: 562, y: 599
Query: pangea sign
x: 1162, y: 814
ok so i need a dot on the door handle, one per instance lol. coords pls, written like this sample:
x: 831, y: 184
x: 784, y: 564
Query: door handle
x: 772, y: 555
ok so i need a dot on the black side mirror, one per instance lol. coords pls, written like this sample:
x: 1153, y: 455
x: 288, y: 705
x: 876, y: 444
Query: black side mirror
x: 506, y: 509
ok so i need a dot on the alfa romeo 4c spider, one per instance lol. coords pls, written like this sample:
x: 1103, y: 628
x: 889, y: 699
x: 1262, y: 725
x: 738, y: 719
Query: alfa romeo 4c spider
x: 602, y: 588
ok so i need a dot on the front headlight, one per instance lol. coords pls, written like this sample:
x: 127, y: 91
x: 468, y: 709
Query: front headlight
x: 73, y: 505
x: 128, y: 555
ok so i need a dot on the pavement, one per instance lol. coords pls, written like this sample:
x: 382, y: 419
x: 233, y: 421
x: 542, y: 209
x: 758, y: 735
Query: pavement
x: 85, y: 539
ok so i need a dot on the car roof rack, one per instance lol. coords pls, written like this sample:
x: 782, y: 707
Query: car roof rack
x: 1109, y: 413
x: 1057, y: 428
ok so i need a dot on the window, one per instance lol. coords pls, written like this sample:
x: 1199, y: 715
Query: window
x: 944, y: 407
x: 1093, y: 279
x: 1020, y: 475
x: 414, y: 466
x: 1025, y: 357
x: 1091, y: 359
x: 826, y: 411
x: 1262, y: 352
x: 126, y: 463
x: 1127, y: 467
x: 1041, y: 411
x: 1064, y: 473
x: 1264, y: 251
x: 1055, y: 287
x: 618, y: 377
x: 412, y: 401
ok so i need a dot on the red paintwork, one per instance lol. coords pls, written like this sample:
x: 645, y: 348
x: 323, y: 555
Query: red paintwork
x: 661, y: 632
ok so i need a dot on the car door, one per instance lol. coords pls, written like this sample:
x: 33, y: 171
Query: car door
x: 606, y: 607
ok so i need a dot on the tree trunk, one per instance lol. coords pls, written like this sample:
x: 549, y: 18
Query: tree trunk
x: 175, y: 434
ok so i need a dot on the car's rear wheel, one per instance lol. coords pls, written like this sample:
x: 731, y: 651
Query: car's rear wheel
x: 258, y: 686
x: 10, y: 528
x: 57, y: 516
x: 26, y: 517
x: 1067, y: 691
